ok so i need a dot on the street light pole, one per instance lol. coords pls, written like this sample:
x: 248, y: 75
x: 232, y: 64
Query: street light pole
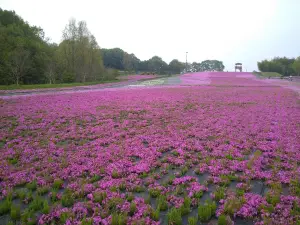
x: 186, y: 62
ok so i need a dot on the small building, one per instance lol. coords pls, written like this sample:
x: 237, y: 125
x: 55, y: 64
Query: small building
x: 238, y: 66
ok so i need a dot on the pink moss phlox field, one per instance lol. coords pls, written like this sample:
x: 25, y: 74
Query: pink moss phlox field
x: 110, y: 150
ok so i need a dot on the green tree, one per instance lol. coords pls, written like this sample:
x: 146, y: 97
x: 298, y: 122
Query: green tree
x: 211, y: 65
x: 22, y: 50
x: 196, y: 67
x: 130, y: 62
x: 175, y: 66
x: 157, y: 65
x: 281, y: 65
x: 296, y: 66
x: 113, y: 58
x: 79, y: 54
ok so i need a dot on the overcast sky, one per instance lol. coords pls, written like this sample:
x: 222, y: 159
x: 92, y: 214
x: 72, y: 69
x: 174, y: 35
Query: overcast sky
x: 229, y: 30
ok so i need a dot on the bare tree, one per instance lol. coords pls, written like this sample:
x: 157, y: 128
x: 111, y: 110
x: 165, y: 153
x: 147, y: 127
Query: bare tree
x: 50, y: 71
x: 19, y: 63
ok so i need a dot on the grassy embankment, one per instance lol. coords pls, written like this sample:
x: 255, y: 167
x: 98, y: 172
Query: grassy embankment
x: 61, y: 85
x: 267, y: 74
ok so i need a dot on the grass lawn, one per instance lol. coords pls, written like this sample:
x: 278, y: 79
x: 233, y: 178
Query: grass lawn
x: 268, y: 74
x: 62, y: 85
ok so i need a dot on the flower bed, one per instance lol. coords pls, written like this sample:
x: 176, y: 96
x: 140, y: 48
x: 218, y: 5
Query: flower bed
x: 138, y: 156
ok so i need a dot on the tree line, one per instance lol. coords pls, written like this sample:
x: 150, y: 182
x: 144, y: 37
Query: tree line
x: 282, y: 65
x: 28, y: 57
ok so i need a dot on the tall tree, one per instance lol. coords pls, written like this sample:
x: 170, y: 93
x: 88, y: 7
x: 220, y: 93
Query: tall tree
x: 211, y: 65
x: 80, y: 53
x: 19, y: 64
x: 175, y: 66
x: 157, y: 65
x: 296, y: 66
x: 281, y: 65
x: 196, y: 67
x: 130, y: 62
x: 113, y: 58
x: 22, y: 50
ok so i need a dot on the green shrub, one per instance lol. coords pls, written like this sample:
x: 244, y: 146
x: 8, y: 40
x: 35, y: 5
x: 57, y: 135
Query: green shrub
x: 240, y: 192
x: 36, y: 204
x: 42, y: 190
x: 57, y: 184
x: 206, y: 211
x: 46, y: 208
x: 63, y: 217
x: 113, y: 189
x: 185, y: 208
x: 13, y: 161
x: 68, y: 77
x: 115, y: 174
x: 132, y: 208
x: 138, y: 189
x: 29, y: 196
x: 225, y: 180
x: 154, y: 192
x: 148, y: 200
x: 222, y: 220
x: 21, y: 194
x: 28, y: 218
x: 219, y: 193
x: 175, y: 153
x: 129, y: 197
x: 162, y: 203
x: 171, y: 179
x: 232, y: 177
x: 296, y: 209
x: 15, y: 212
x: 31, y: 186
x: 184, y: 170
x: 174, y: 217
x: 118, y: 219
x: 95, y: 178
x: 139, y: 222
x: 295, y: 187
x: 113, y: 202
x: 198, y: 194
x: 53, y: 197
x: 179, y: 190
x: 213, y: 206
x: 273, y: 197
x: 232, y: 205
x: 5, y: 207
x: 85, y: 221
x: 9, y: 197
x: 155, y: 214
x: 99, y: 196
x: 229, y: 156
x: 67, y: 200
x: 122, y: 187
x: 143, y: 175
x: 192, y: 221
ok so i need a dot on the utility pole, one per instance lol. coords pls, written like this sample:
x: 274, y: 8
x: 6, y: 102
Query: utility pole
x: 186, y: 62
